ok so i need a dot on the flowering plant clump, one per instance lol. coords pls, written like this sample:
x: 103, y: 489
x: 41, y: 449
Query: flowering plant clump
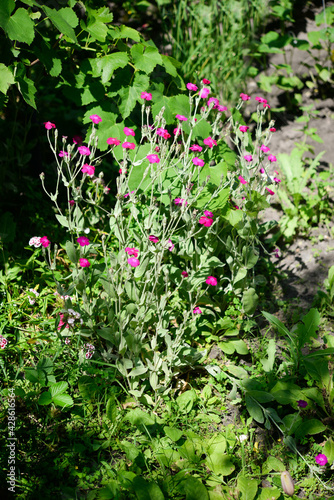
x: 177, y: 229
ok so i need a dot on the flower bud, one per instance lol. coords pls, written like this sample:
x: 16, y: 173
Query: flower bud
x: 287, y: 483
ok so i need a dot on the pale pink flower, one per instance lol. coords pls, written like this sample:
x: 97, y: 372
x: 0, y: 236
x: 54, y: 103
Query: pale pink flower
x: 83, y: 150
x: 196, y: 147
x: 106, y: 189
x: 264, y: 148
x: 133, y: 262
x: 207, y: 213
x: 214, y: 100
x: 83, y: 241
x: 242, y: 180
x: 88, y: 169
x: 146, y: 95
x: 88, y: 354
x: 321, y: 459
x: 63, y: 154
x: 244, y: 97
x: 211, y: 280
x: 272, y: 158
x: 45, y: 242
x: 113, y: 141
x: 272, y: 129
x: 198, y: 161
x: 132, y: 251
x: 248, y: 157
x: 206, y: 221
x: 84, y: 263
x: 95, y: 119
x: 35, y: 242
x: 67, y: 341
x: 270, y: 191
x: 153, y: 238
x: 180, y: 201
x: 197, y: 310
x: 192, y: 86
x: 129, y: 131
x: 185, y: 274
x: 206, y: 81
x: 221, y: 108
x: 210, y: 142
x: 3, y: 342
x: 128, y: 145
x: 204, y: 93
x: 243, y: 128
x: 182, y: 118
x: 153, y: 158
x: 49, y: 125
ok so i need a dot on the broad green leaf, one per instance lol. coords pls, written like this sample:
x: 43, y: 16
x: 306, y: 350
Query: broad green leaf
x: 145, y: 58
x: 106, y: 333
x: 125, y: 32
x: 145, y: 490
x: 194, y: 489
x: 276, y: 322
x: 6, y: 8
x: 237, y: 371
x: 58, y: 388
x: 70, y: 16
x: 87, y: 387
x: 219, y: 463
x: 268, y: 363
x: 270, y: 493
x: 261, y: 396
x: 250, y: 300
x: 72, y: 252
x: 186, y: 401
x: 273, y: 463
x: 27, y: 89
x: 31, y: 374
x: 312, y: 426
x: 60, y: 23
x: 247, y: 487
x: 139, y: 418
x: 20, y: 27
x: 111, y: 409
x: 63, y: 400
x: 131, y: 93
x: 170, y: 65
x: 329, y: 450
x: 62, y: 220
x: 173, y: 433
x: 311, y: 323
x: 6, y: 78
x: 45, y: 398
x: 254, y: 409
x: 105, y: 66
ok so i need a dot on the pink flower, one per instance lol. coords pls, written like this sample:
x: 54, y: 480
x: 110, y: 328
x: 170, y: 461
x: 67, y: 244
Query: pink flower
x: 272, y: 158
x: 83, y: 241
x: 248, y: 157
x: 113, y: 141
x: 204, y: 93
x: 45, y: 242
x: 84, y: 263
x: 129, y: 131
x: 180, y: 201
x: 153, y: 238
x: 196, y: 147
x: 77, y: 139
x: 146, y: 95
x: 157, y: 149
x: 71, y: 203
x: 49, y: 125
x: 181, y: 118
x: 95, y: 119
x: 35, y: 242
x: 270, y: 191
x: 264, y: 148
x: 272, y: 129
x: 242, y: 180
x: 133, y: 262
x: 300, y: 402
x: 132, y: 251
x: 197, y: 310
x: 275, y: 179
x: 185, y: 274
x: 83, y: 150
x: 265, y: 105
x: 206, y: 221
x: 207, y: 213
x: 170, y: 245
x: 3, y: 342
x: 177, y: 131
x: 88, y: 169
x: 210, y: 142
x: 88, y: 354
x: 321, y: 459
x: 261, y: 100
x: 198, y: 161
x: 128, y: 145
x: 63, y: 153
x: 211, y: 280
x: 106, y: 190
x: 236, y: 207
x: 153, y: 158
x: 214, y: 100
x: 128, y: 194
x: 67, y: 341
x: 162, y: 132
x: 221, y: 108
x: 244, y: 97
x: 206, y: 81
x: 192, y: 86
x: 243, y: 128
x: 262, y: 170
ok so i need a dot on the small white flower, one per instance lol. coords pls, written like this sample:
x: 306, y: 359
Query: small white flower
x: 87, y: 230
x: 242, y: 437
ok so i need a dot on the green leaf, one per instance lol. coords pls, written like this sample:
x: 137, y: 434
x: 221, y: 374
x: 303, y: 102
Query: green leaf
x: 63, y: 400
x: 311, y: 323
x: 268, y: 363
x: 194, y: 489
x: 312, y: 426
x: 6, y: 8
x: 250, y: 300
x: 186, y: 401
x: 145, y: 490
x: 111, y: 409
x: 329, y: 450
x: 6, y: 78
x: 107, y: 334
x: 58, y: 388
x: 130, y: 94
x: 173, y: 433
x: 60, y: 23
x: 272, y: 463
x: 170, y: 65
x: 125, y: 32
x: 247, y: 487
x: 254, y: 409
x: 145, y: 58
x: 20, y: 27
x: 72, y: 252
x: 105, y: 66
x: 62, y: 219
x: 261, y: 396
x: 70, y: 16
x: 27, y: 89
x: 45, y: 398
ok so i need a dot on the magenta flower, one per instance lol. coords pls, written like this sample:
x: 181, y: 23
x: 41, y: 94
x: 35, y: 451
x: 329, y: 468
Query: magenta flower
x: 146, y: 95
x: 129, y: 131
x: 153, y: 158
x: 276, y: 180
x: 83, y: 150
x: 88, y: 169
x: 180, y: 201
x: 243, y: 128
x: 270, y: 191
x: 182, y: 118
x: 132, y: 251
x: 170, y: 245
x: 272, y: 158
x: 207, y: 213
x: 128, y: 145
x: 214, y: 100
x: 63, y: 153
x: 206, y: 81
x: 244, y: 97
x: 177, y: 131
x: 49, y: 125
x: 197, y: 310
x: 221, y: 108
x: 71, y: 203
x: 261, y: 100
x: 185, y: 274
x: 198, y: 161
x: 262, y: 170
x: 192, y: 86
x: 266, y: 105
x: 211, y: 280
x: 112, y: 141
x: 248, y: 157
x: 162, y: 132
x: 128, y: 194
x: 95, y: 119
x: 206, y: 221
x: 83, y: 241
x: 153, y: 238
x: 84, y: 263
x: 77, y: 139
x: 210, y: 142
x: 301, y: 403
x: 196, y: 147
x: 204, y: 93
x: 272, y: 129
x: 264, y: 148
x: 242, y: 180
x: 321, y: 459
x: 133, y: 262
x: 45, y: 242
